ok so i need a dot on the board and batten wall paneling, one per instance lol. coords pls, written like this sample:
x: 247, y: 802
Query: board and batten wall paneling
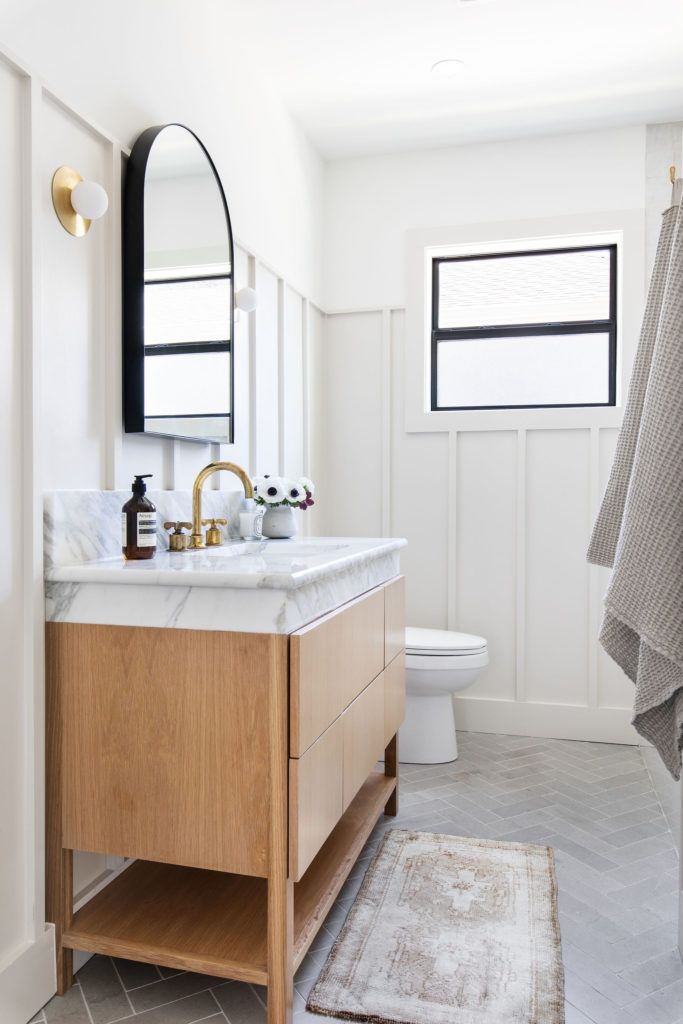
x: 497, y: 523
x: 60, y: 340
x: 352, y: 410
x: 485, y: 553
x: 315, y: 447
x: 15, y: 915
x: 74, y: 323
x: 557, y: 483
x: 292, y: 385
x: 240, y: 450
x: 266, y: 453
x: 419, y: 498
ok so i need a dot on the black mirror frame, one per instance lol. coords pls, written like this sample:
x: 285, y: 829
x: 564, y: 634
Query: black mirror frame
x: 133, y: 287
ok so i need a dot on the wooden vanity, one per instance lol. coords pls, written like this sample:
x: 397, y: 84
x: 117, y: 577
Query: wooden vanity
x: 237, y: 770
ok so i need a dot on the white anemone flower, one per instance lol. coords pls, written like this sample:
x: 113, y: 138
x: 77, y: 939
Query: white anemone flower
x: 307, y: 484
x: 259, y: 484
x: 295, y: 492
x: 272, y: 490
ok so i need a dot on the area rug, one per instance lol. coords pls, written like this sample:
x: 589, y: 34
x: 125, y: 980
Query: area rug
x: 446, y: 930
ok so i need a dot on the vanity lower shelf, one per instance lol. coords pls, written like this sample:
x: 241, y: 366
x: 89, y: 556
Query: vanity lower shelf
x: 213, y: 922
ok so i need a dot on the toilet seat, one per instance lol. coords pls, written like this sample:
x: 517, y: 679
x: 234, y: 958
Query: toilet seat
x: 440, y: 643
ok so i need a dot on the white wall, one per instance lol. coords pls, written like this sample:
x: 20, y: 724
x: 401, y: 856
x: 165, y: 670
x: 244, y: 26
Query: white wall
x: 497, y: 517
x: 60, y: 341
x: 371, y: 202
x: 130, y: 65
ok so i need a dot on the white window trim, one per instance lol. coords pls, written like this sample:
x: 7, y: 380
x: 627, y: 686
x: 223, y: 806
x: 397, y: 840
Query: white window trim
x: 626, y: 228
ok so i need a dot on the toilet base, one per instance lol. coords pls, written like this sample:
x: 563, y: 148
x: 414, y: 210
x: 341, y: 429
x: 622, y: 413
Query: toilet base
x: 428, y: 734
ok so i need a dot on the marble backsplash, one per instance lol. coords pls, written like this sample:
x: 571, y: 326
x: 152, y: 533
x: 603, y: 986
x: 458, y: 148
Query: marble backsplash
x: 81, y: 526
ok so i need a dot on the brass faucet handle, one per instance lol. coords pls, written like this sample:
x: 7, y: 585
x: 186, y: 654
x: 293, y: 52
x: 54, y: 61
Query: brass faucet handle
x: 177, y: 540
x: 214, y: 537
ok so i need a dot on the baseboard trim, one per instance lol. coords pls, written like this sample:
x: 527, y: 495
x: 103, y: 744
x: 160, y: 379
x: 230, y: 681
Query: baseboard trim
x: 558, y: 721
x: 29, y: 980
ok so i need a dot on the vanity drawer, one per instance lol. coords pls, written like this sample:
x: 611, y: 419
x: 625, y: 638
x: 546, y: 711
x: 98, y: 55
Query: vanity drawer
x: 394, y: 696
x: 315, y: 797
x: 394, y: 618
x: 324, y: 781
x: 331, y: 661
x: 363, y: 737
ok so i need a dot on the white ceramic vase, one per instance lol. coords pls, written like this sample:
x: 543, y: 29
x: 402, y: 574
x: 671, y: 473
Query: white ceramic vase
x: 279, y: 522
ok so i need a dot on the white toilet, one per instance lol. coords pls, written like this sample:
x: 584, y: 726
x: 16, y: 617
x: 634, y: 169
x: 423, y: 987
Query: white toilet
x: 438, y: 664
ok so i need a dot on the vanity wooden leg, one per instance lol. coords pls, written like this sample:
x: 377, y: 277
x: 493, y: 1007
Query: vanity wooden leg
x: 391, y: 770
x: 59, y: 875
x: 280, y: 951
x: 59, y: 910
x: 280, y: 940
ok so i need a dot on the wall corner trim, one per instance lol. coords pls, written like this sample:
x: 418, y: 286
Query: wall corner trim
x: 29, y: 980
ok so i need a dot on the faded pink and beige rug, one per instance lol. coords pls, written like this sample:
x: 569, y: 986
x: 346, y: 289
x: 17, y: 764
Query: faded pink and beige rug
x: 447, y: 930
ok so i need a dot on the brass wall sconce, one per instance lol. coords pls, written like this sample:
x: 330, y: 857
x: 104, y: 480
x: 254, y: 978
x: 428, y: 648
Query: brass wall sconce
x: 77, y: 203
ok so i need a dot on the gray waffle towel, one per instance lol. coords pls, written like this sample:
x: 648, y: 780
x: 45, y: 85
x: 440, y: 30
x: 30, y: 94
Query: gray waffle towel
x: 639, y: 529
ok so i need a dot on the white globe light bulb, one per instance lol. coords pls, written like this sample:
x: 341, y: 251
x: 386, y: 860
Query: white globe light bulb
x: 89, y: 200
x: 246, y: 299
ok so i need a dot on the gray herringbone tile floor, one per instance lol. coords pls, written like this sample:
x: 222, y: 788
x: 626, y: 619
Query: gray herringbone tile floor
x: 616, y: 868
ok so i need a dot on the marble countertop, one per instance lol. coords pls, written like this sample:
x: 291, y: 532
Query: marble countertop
x: 268, y: 586
x: 275, y: 564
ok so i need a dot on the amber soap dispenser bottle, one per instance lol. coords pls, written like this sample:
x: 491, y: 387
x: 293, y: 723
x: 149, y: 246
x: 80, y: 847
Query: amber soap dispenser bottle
x: 139, y: 523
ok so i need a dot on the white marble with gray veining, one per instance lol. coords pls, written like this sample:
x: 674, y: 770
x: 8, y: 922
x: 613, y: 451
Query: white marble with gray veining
x: 268, y: 586
x: 81, y: 526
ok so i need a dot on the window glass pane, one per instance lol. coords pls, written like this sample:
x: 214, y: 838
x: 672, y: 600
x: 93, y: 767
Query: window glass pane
x: 178, y: 312
x: 187, y: 385
x: 567, y: 369
x: 531, y: 289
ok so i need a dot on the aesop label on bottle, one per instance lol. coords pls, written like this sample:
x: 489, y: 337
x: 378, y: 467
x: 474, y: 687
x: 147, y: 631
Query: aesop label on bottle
x: 147, y: 529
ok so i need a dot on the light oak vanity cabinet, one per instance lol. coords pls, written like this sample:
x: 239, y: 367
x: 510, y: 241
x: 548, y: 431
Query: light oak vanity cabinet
x: 237, y: 769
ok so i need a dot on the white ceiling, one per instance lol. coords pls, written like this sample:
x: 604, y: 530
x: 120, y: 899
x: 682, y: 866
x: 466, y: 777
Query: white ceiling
x: 356, y: 73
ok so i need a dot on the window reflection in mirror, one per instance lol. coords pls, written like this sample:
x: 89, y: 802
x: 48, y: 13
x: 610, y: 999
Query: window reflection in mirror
x: 179, y: 369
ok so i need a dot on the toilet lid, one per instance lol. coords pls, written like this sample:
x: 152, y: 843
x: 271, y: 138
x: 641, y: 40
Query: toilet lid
x: 442, y: 641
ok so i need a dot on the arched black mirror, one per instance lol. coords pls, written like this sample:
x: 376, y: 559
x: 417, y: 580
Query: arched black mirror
x: 178, y: 291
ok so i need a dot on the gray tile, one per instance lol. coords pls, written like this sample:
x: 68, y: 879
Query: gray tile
x: 645, y: 830
x: 170, y: 989
x: 656, y: 973
x: 638, y: 948
x: 241, y: 1003
x: 587, y: 999
x: 133, y: 973
x: 103, y: 991
x: 310, y: 968
x: 649, y: 1011
x: 671, y: 998
x: 606, y: 982
x: 581, y: 853
x: 574, y: 1016
x: 199, y: 1007
x: 615, y: 862
x: 67, y: 1009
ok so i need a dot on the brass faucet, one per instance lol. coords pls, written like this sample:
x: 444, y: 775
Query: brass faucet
x: 197, y: 537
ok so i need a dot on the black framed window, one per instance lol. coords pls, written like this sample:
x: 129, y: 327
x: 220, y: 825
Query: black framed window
x: 524, y: 329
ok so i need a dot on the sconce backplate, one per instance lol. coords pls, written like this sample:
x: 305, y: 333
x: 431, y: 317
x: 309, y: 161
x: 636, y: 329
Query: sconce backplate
x: 63, y: 181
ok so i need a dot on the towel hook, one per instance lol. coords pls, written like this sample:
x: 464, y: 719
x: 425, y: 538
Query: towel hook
x: 672, y: 174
